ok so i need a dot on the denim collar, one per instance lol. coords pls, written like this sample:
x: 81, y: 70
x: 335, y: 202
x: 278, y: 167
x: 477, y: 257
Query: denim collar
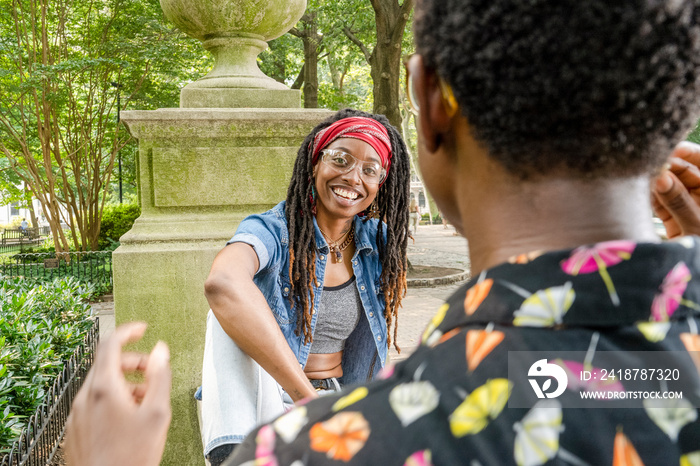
x: 362, y: 236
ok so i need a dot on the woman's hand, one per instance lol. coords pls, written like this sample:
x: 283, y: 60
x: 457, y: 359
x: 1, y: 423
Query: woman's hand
x: 676, y: 191
x: 113, y: 422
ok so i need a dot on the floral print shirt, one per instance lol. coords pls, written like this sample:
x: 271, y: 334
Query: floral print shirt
x: 448, y: 403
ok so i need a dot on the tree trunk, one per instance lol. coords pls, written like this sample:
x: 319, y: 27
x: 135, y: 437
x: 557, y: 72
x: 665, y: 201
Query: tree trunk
x: 300, y: 79
x: 386, y: 75
x: 312, y: 48
x: 337, y: 75
x: 35, y: 222
x: 385, y: 59
x: 30, y: 207
x: 312, y: 42
x: 391, y: 19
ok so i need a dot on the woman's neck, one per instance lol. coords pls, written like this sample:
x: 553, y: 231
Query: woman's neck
x: 333, y: 229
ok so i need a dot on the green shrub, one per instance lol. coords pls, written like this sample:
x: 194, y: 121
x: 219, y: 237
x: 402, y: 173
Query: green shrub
x: 92, y: 269
x: 41, y: 325
x: 117, y: 219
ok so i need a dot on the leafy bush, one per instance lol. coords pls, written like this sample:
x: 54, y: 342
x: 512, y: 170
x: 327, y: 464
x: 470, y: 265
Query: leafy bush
x: 41, y: 325
x: 96, y: 277
x: 117, y: 219
x: 48, y: 246
x: 92, y: 268
x: 43, y: 249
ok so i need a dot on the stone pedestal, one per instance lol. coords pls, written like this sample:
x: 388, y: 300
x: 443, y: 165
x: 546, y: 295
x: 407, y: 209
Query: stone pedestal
x: 200, y: 172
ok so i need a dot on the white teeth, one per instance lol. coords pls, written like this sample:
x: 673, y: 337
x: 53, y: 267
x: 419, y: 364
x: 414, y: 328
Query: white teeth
x: 346, y: 194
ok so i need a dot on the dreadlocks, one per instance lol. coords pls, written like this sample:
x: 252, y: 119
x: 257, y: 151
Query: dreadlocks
x: 392, y: 202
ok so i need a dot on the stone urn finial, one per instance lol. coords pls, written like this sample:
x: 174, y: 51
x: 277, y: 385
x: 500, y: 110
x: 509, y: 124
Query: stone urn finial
x: 235, y: 32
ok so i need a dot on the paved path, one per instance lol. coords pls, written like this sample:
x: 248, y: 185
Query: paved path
x: 433, y: 245
x: 106, y: 312
x: 436, y: 246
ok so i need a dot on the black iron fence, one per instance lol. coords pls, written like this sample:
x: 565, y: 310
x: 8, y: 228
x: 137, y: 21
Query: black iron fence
x: 94, y: 267
x: 39, y: 441
x: 20, y: 239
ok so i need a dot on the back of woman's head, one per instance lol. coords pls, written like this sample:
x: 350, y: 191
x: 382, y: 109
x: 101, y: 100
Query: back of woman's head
x: 591, y: 88
x: 392, y: 203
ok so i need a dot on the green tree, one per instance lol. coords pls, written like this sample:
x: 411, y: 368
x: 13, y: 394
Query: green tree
x: 58, y: 127
x: 283, y: 61
x: 390, y: 22
x: 331, y: 70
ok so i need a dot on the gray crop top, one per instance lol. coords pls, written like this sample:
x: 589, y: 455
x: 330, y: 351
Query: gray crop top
x: 338, y: 316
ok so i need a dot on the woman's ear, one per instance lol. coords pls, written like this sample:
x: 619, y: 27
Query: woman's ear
x: 434, y: 117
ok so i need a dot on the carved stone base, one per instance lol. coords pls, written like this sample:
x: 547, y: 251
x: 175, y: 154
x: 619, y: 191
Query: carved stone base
x: 200, y: 172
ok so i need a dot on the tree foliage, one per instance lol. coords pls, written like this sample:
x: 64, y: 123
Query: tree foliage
x: 117, y: 219
x: 390, y: 20
x: 283, y: 60
x: 348, y: 55
x: 58, y: 130
x: 58, y: 107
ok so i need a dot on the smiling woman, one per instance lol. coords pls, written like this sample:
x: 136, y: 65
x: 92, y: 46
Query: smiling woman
x: 343, y: 185
x: 304, y: 297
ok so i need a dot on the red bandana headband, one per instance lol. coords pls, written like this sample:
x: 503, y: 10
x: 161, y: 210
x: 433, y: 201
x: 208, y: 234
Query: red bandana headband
x: 365, y: 129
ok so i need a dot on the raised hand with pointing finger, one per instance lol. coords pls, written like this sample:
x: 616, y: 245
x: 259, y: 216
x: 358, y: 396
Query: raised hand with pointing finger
x: 113, y: 422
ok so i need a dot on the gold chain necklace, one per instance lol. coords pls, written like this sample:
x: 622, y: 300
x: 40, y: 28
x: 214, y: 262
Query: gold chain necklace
x: 337, y: 249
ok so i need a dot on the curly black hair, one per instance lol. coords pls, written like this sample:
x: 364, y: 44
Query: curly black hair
x: 591, y: 88
x: 392, y: 201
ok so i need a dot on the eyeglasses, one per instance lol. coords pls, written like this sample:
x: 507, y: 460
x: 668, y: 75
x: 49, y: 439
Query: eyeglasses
x: 342, y: 162
x: 448, y: 96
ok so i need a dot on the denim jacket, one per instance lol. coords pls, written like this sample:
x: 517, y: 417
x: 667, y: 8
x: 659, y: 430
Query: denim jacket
x: 366, y: 348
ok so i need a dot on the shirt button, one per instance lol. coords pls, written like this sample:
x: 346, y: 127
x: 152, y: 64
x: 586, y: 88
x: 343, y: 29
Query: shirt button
x: 286, y: 289
x: 322, y: 258
x: 371, y: 314
x: 354, y: 262
x: 379, y: 338
x: 313, y: 311
x: 317, y: 284
x: 362, y: 287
